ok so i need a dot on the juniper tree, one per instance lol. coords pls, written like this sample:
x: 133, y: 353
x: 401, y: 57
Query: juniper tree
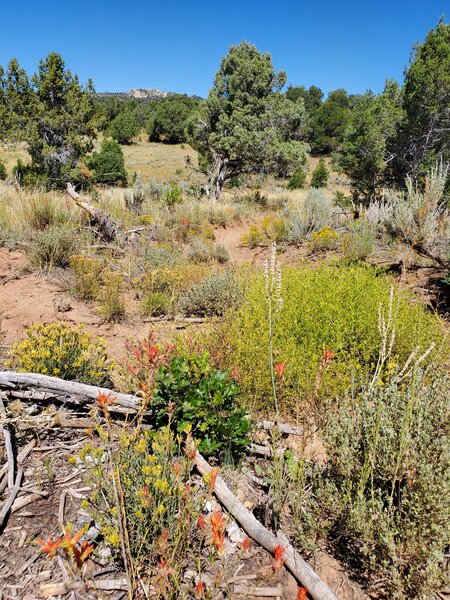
x: 52, y: 112
x: 425, y: 134
x: 246, y: 125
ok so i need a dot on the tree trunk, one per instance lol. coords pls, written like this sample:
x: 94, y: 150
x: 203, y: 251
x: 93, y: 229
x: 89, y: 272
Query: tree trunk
x: 217, y: 177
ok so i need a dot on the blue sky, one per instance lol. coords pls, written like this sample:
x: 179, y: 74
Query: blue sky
x: 177, y: 46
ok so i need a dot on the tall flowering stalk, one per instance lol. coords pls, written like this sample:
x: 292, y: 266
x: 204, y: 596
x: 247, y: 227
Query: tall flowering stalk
x: 272, y: 280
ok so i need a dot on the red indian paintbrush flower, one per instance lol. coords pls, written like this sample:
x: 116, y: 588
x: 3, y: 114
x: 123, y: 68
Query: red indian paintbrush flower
x: 246, y: 543
x: 280, y: 369
x: 82, y: 553
x: 302, y: 593
x: 104, y: 399
x: 217, y: 528
x: 50, y: 546
x: 327, y: 356
x: 278, y: 554
x: 201, y: 522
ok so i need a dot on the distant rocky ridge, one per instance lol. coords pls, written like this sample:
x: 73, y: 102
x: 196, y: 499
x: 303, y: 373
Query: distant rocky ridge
x: 139, y: 93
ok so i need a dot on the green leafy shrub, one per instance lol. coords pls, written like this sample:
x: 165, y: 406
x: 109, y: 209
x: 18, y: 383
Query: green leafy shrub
x: 123, y: 128
x: 385, y: 489
x: 331, y: 307
x: 62, y: 351
x: 320, y: 175
x: 3, y: 171
x: 297, y: 179
x: 156, y: 304
x: 172, y: 196
x: 52, y: 247
x: 109, y: 164
x: 359, y: 241
x: 203, y: 400
x: 212, y: 296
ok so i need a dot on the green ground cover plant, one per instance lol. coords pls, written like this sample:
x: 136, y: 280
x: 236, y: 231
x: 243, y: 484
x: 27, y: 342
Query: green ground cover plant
x: 333, y: 309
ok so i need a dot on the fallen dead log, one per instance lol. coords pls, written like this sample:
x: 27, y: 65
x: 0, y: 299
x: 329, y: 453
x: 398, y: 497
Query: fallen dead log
x: 63, y: 587
x: 10, y: 501
x: 107, y: 229
x: 63, y: 391
x: 282, y: 427
x: 297, y: 566
x: 39, y: 388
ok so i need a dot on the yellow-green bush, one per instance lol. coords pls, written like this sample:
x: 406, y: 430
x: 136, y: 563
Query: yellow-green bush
x: 325, y: 239
x: 112, y: 306
x: 274, y: 228
x: 332, y: 307
x: 86, y: 272
x: 253, y: 237
x: 62, y: 351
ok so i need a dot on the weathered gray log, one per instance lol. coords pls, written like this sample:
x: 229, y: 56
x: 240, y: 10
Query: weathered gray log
x: 282, y: 428
x: 33, y: 386
x: 62, y: 390
x: 108, y: 230
x: 298, y: 567
x: 10, y: 501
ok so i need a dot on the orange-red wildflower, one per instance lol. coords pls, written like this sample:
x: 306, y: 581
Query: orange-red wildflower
x: 280, y: 369
x: 217, y: 529
x: 212, y: 478
x: 104, y: 399
x: 327, y: 356
x: 50, y: 546
x: 246, y: 543
x: 201, y: 522
x: 302, y: 593
x: 82, y: 553
x: 278, y: 554
x: 69, y: 542
x: 200, y: 589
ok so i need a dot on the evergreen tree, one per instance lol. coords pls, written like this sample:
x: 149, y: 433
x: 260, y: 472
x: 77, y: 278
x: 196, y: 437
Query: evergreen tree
x: 425, y: 134
x: 320, y: 175
x: 109, y: 164
x: 169, y: 120
x: 52, y: 112
x: 123, y: 128
x: 366, y: 152
x: 329, y: 122
x: 246, y: 125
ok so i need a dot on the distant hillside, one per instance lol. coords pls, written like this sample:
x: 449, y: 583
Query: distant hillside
x: 140, y: 94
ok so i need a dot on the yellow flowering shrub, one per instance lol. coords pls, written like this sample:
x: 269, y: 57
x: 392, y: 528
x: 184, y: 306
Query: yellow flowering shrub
x: 62, y: 351
x: 274, y: 228
x: 155, y: 494
x: 253, y: 237
x: 324, y: 239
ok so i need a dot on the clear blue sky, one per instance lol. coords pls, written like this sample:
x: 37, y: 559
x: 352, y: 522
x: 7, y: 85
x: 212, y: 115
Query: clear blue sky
x: 177, y: 46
